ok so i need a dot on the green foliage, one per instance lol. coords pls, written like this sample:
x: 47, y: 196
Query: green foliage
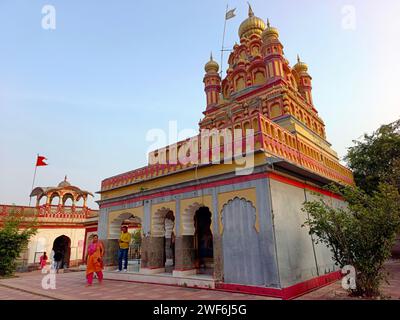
x: 15, y: 233
x: 377, y: 158
x: 360, y: 234
x: 137, y: 237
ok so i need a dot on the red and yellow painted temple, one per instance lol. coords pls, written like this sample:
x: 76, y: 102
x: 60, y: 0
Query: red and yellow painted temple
x: 205, y: 225
x: 63, y: 220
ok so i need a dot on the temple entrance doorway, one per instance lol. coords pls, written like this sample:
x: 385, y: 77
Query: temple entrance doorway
x: 203, y: 241
x: 62, y: 244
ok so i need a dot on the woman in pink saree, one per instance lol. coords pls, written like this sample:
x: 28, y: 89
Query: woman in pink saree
x: 94, y: 260
x: 43, y: 260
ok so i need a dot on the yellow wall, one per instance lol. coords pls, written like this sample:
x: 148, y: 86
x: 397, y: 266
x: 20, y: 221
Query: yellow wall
x: 44, y: 238
x: 138, y: 212
x: 155, y: 207
x: 178, y: 177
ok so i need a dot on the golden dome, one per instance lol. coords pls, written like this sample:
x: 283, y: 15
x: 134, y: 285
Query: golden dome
x: 252, y: 25
x: 270, y: 32
x: 300, y: 66
x: 211, y: 65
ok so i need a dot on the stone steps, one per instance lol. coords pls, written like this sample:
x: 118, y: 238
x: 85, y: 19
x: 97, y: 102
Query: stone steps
x: 193, y: 281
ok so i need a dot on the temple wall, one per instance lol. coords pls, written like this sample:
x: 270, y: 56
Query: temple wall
x: 43, y: 241
x: 299, y: 258
x: 256, y: 227
x: 184, y: 206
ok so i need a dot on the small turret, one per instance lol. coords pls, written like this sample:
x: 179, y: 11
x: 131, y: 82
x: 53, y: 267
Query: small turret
x: 304, y: 80
x: 212, y: 82
x: 272, y: 50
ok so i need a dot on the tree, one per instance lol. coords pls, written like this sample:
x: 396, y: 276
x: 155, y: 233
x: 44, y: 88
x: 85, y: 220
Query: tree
x: 15, y: 233
x: 361, y: 234
x: 376, y: 158
x: 137, y: 242
x: 137, y: 237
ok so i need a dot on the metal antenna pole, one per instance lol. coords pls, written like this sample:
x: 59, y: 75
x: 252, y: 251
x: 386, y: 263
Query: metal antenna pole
x: 223, y: 40
x: 33, y: 182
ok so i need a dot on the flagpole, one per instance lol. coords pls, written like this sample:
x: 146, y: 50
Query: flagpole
x: 33, y: 182
x: 223, y: 40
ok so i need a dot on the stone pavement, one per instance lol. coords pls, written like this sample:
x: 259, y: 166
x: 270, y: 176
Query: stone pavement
x: 71, y: 286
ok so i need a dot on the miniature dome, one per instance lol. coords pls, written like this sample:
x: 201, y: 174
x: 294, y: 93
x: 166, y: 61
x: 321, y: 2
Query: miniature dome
x: 211, y: 65
x: 270, y: 32
x: 64, y: 183
x: 252, y: 25
x: 300, y: 66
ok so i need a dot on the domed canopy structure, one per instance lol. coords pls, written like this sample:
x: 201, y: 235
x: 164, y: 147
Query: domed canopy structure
x: 63, y: 191
x: 252, y: 25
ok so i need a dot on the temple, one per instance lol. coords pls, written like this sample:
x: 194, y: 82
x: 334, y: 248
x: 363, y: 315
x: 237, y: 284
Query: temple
x: 64, y: 222
x: 209, y: 220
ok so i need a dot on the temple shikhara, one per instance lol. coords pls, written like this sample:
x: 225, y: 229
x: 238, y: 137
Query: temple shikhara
x: 205, y: 225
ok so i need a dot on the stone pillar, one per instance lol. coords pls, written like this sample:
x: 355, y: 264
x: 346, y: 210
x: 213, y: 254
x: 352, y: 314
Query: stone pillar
x: 169, y: 258
x: 218, y: 260
x: 111, y: 248
x: 184, y: 256
x: 152, y: 259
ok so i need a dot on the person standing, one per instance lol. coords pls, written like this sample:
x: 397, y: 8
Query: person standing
x: 58, y: 256
x: 94, y: 260
x: 43, y: 260
x: 124, y: 241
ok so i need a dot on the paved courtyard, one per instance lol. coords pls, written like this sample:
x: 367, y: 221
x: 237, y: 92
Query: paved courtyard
x: 71, y: 286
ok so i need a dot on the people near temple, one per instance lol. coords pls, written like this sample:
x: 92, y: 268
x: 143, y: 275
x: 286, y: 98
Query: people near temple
x: 94, y: 261
x: 43, y: 260
x: 58, y: 257
x: 124, y: 241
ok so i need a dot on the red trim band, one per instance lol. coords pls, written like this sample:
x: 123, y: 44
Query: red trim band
x: 287, y: 293
x: 251, y: 177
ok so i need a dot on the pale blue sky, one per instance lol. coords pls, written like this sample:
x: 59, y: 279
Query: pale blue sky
x: 84, y: 95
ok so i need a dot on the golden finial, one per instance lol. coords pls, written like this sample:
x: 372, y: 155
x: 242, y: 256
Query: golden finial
x: 211, y: 65
x: 251, y: 13
x: 300, y: 66
x: 268, y: 24
x: 252, y: 25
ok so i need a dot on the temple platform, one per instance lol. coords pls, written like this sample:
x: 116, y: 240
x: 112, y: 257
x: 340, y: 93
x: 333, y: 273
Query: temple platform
x: 192, y: 281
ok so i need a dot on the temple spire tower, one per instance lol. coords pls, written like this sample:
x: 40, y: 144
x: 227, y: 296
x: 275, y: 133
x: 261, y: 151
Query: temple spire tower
x: 212, y: 83
x: 272, y: 50
x: 304, y: 80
